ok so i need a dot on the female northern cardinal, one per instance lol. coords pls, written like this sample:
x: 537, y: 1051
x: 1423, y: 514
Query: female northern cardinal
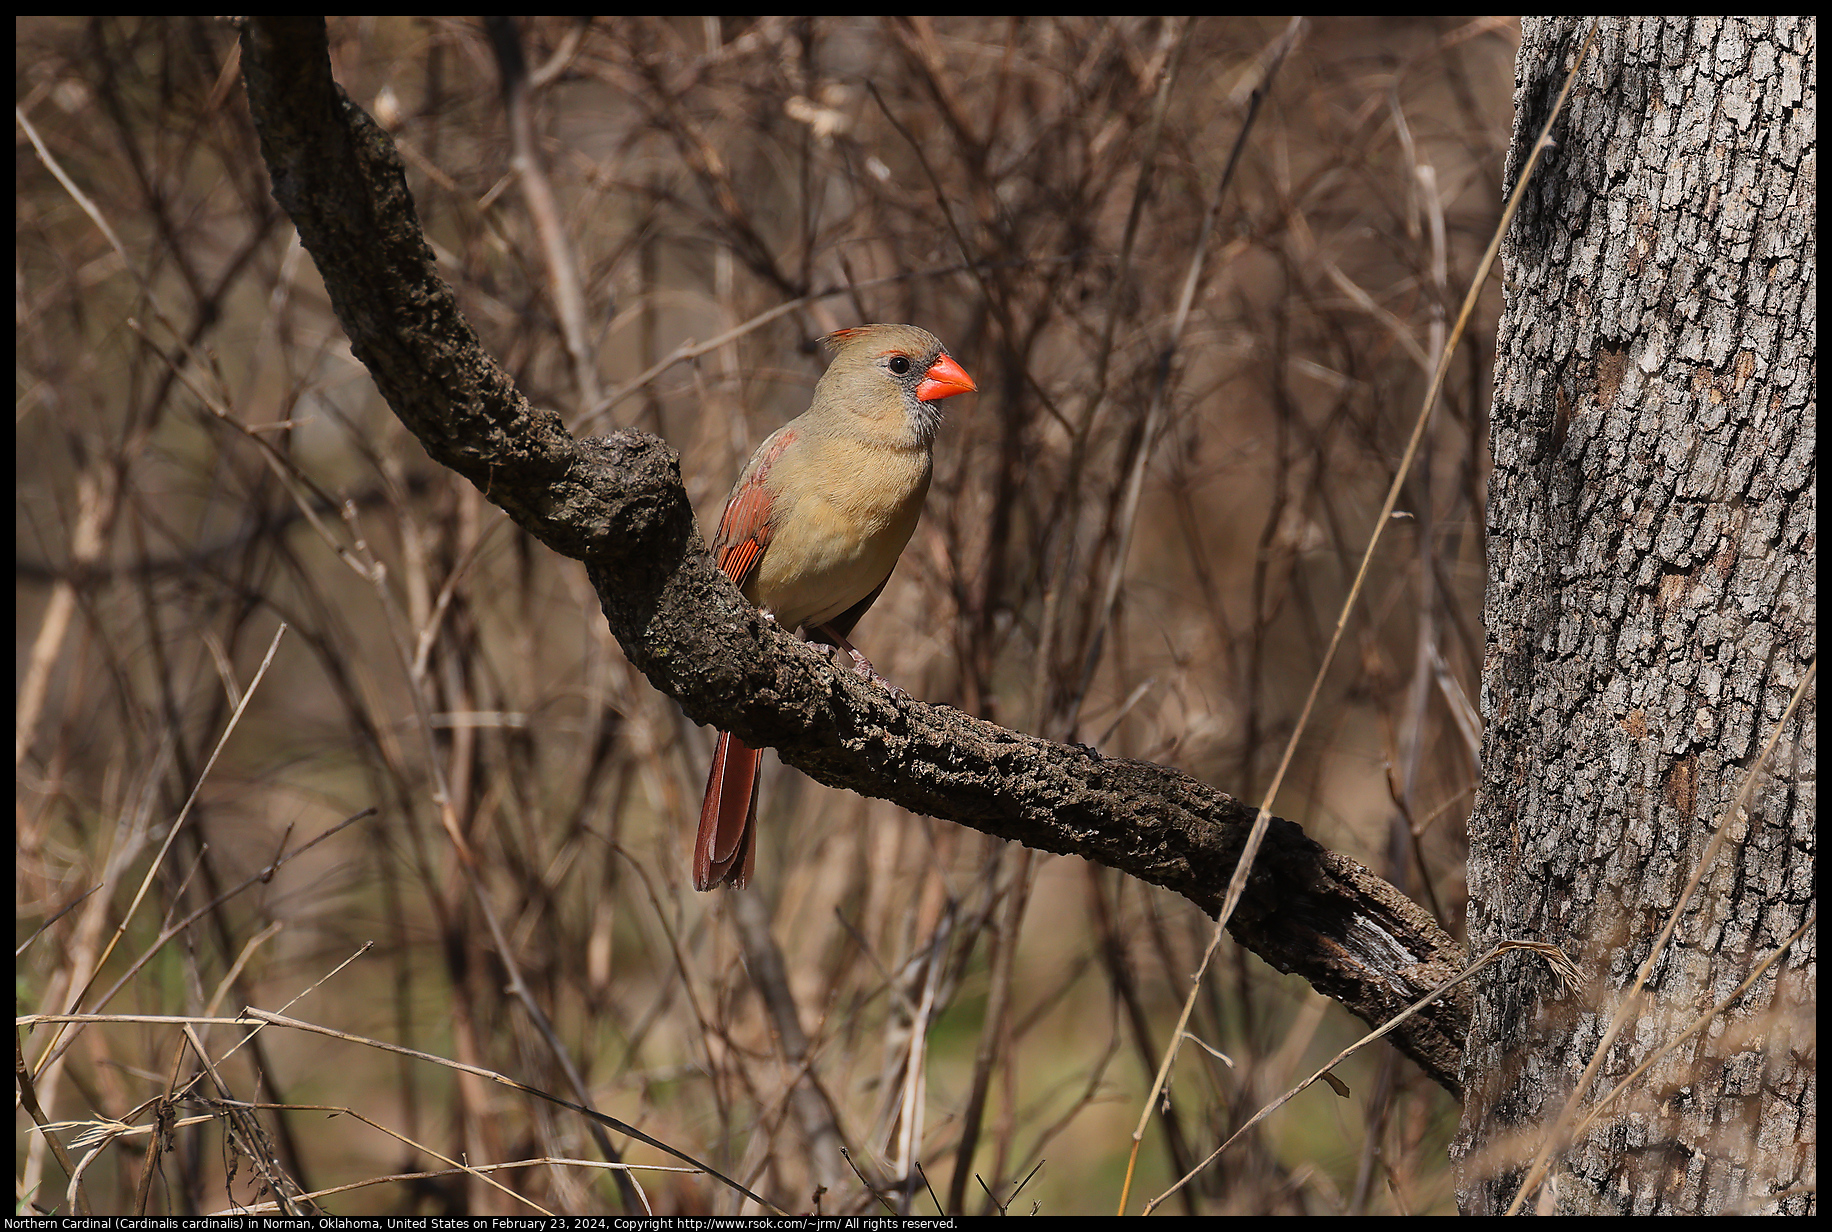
x: 814, y: 527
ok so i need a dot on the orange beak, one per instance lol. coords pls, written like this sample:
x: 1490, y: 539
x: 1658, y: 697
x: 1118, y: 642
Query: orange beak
x: 944, y: 379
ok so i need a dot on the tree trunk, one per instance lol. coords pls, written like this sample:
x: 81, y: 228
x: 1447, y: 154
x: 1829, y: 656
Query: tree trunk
x: 1650, y: 615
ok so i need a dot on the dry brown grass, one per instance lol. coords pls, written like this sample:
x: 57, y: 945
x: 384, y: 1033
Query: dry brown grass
x: 1006, y: 184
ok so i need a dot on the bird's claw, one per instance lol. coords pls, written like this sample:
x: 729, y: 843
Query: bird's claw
x: 863, y: 667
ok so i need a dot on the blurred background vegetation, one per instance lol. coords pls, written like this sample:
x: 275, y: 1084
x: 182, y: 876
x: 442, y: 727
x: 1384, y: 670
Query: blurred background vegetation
x: 199, y: 459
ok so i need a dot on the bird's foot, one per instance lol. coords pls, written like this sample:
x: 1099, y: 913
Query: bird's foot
x: 860, y: 663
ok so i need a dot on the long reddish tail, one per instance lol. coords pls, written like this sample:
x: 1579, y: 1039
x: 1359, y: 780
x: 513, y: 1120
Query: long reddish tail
x: 726, y: 848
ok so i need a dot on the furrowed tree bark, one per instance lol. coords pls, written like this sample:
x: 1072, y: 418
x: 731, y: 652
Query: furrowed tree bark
x: 1650, y: 612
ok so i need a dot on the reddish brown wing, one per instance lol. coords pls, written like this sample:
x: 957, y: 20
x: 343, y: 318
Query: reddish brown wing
x: 744, y: 527
x: 725, y: 849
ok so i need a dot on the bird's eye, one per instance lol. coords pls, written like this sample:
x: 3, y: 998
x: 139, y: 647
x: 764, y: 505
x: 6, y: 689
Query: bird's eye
x: 900, y: 364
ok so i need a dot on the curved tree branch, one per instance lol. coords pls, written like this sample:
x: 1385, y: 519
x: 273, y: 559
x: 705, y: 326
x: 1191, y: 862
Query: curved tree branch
x: 617, y: 504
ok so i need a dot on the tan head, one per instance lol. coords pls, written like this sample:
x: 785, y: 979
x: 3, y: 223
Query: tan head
x: 883, y: 372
